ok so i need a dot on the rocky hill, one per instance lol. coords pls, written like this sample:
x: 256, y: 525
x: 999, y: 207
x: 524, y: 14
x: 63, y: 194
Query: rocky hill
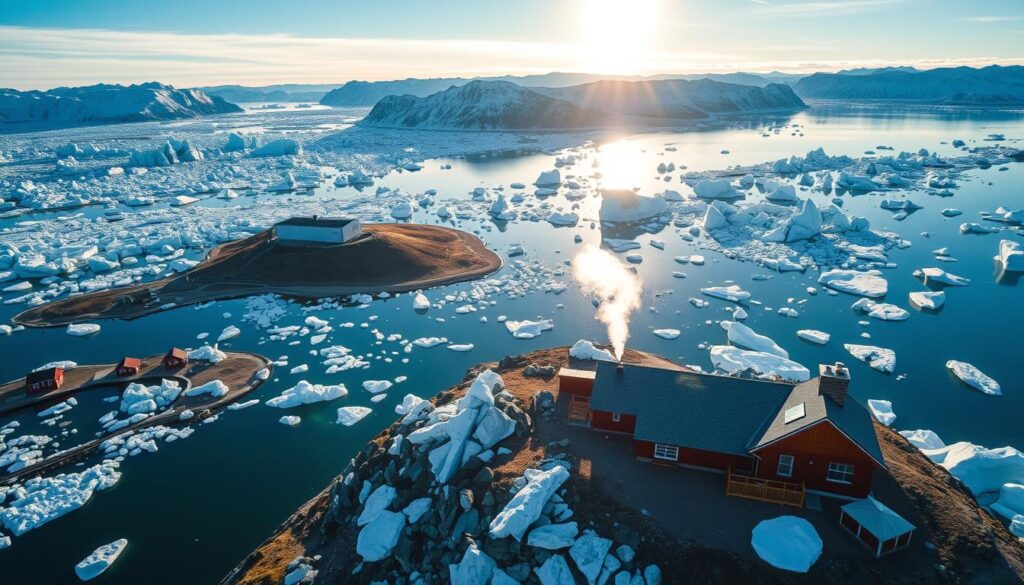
x: 483, y: 484
x: 993, y: 85
x: 500, y: 105
x: 679, y: 98
x: 480, y: 105
x: 105, y: 104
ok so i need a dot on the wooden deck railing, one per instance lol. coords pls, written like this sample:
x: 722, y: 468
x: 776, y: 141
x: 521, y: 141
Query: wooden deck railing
x: 579, y: 409
x: 765, y: 490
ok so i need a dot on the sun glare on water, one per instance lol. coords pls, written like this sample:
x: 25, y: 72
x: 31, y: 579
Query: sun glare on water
x: 617, y: 33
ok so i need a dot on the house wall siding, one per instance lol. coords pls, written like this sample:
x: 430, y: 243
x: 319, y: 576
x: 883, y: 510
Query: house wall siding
x: 813, y: 449
x: 580, y: 386
x: 602, y: 420
x: 695, y: 457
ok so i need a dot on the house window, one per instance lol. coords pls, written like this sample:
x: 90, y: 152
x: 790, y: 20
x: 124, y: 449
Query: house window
x: 840, y: 473
x: 666, y: 452
x: 786, y: 465
x: 616, y: 417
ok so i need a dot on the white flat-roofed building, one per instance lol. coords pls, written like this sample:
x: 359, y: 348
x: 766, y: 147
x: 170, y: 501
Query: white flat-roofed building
x: 322, y: 230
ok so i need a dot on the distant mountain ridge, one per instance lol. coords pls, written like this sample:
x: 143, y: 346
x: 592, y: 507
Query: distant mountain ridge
x: 106, y: 104
x: 993, y: 85
x: 501, y: 105
x: 287, y: 92
x: 368, y: 93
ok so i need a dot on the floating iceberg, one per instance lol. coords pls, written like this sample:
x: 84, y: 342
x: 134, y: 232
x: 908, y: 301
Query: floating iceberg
x: 866, y: 284
x: 740, y: 334
x: 882, y: 311
x: 623, y: 205
x: 100, y: 560
x: 974, y: 377
x: 733, y: 360
x: 879, y: 358
x: 350, y: 415
x: 307, y: 393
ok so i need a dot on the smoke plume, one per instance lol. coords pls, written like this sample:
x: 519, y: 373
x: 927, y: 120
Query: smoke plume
x: 602, y: 275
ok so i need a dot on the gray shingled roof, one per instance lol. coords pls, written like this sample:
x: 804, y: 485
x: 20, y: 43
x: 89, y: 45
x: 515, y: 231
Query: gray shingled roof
x: 851, y: 418
x: 699, y: 411
x: 317, y: 221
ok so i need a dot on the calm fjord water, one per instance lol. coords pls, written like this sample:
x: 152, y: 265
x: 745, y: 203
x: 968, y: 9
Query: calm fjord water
x: 193, y: 510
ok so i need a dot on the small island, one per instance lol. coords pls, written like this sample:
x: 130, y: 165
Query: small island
x: 544, y: 488
x: 235, y: 374
x: 300, y: 257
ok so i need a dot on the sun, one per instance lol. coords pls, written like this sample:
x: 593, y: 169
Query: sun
x: 617, y: 33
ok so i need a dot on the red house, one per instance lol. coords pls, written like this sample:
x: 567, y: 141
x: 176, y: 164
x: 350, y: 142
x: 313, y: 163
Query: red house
x: 175, y: 358
x: 129, y: 366
x: 806, y: 436
x: 45, y: 380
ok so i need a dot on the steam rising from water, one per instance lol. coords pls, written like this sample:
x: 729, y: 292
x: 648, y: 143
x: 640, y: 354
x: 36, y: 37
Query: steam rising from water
x: 602, y: 275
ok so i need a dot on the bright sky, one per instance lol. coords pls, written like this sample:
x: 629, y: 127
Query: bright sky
x: 46, y: 43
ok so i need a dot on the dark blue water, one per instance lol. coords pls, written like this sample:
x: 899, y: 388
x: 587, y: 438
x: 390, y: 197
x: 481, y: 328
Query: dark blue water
x: 198, y: 506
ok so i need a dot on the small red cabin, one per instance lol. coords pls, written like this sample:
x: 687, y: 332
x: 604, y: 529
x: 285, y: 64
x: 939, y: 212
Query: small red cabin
x: 175, y: 358
x: 45, y: 380
x: 811, y: 435
x: 129, y: 366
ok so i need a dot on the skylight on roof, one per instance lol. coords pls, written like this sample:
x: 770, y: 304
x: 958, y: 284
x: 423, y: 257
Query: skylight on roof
x: 794, y: 413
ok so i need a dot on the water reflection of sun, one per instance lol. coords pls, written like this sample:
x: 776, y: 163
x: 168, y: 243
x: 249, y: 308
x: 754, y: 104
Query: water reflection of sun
x: 617, y: 34
x: 622, y: 165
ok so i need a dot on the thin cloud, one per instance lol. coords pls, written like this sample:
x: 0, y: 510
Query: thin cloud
x: 990, y: 19
x: 832, y: 8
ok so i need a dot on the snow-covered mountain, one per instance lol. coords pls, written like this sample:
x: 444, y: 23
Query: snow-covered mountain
x: 368, y: 93
x: 500, y: 105
x: 480, y: 105
x: 105, y: 104
x: 678, y: 98
x: 958, y: 85
x: 286, y: 92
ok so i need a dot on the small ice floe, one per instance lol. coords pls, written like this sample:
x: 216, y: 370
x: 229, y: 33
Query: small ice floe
x: 866, y: 284
x: 243, y: 405
x: 697, y: 260
x: 229, y: 332
x: 789, y: 543
x: 814, y: 336
x: 923, y: 439
x: 977, y: 228
x: 940, y: 276
x: 625, y: 206
x: 350, y: 415
x: 403, y: 210
x: 586, y: 350
x: 377, y: 386
x: 420, y: 302
x: 1011, y: 256
x: 879, y: 358
x: 667, y: 333
x: 290, y: 420
x: 528, y: 329
x: 733, y: 360
x: 951, y: 212
x: 732, y: 292
x: 882, y: 311
x: 429, y: 341
x: 622, y: 245
x: 788, y: 312
x: 307, y: 393
x: 551, y: 178
x: 740, y: 334
x: 461, y: 347
x: 100, y: 560
x: 974, y: 377
x: 882, y: 411
x: 929, y: 299
x: 82, y: 329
